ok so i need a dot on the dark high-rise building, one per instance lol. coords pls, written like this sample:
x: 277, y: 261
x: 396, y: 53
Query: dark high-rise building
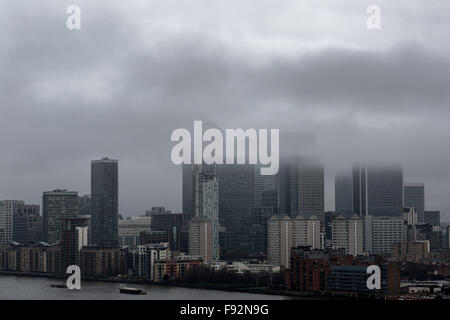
x: 432, y: 218
x: 265, y: 206
x: 414, y: 197
x: 104, y: 193
x: 235, y: 204
x: 27, y: 224
x: 378, y: 190
x: 343, y: 193
x: 301, y: 188
x: 56, y: 206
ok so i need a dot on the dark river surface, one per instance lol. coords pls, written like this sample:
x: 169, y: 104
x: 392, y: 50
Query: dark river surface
x: 13, y: 287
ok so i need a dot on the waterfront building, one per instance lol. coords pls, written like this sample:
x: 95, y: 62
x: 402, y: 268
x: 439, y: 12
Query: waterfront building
x: 96, y: 262
x: 176, y: 268
x: 352, y: 279
x: 309, y: 268
x: 140, y: 260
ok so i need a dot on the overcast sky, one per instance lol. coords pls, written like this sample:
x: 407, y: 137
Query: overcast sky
x: 139, y: 69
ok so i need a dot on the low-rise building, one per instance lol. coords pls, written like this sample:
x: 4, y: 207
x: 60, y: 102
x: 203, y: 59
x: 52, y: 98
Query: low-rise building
x: 101, y: 262
x: 175, y: 269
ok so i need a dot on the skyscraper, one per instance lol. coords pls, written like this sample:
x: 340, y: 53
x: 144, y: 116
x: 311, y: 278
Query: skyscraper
x: 186, y: 177
x: 265, y: 205
x: 378, y: 190
x: 104, y: 198
x: 301, y: 188
x: 56, y: 206
x: 235, y: 204
x: 414, y: 197
x: 343, y: 193
x: 206, y: 202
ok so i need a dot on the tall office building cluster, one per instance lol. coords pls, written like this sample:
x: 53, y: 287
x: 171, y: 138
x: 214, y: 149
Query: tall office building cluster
x: 247, y: 199
x: 68, y: 223
x: 392, y: 211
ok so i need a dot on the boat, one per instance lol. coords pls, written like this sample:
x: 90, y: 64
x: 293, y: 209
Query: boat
x: 58, y: 285
x: 128, y: 290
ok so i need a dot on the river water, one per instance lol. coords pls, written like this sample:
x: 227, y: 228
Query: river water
x: 13, y: 287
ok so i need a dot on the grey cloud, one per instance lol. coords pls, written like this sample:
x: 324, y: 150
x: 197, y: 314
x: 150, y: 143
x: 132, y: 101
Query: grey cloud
x: 69, y: 97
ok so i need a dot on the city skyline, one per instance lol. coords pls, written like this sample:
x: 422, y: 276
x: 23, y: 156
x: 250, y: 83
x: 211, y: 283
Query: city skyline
x: 132, y: 74
x: 445, y: 215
